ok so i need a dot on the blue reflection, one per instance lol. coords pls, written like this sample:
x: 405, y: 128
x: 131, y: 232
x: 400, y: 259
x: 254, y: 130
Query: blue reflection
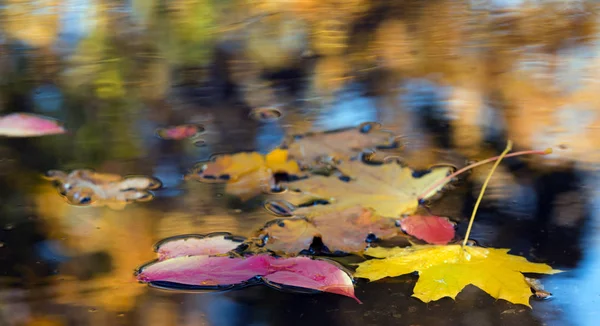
x: 268, y: 136
x: 347, y: 113
x: 170, y: 176
x: 47, y: 98
x: 577, y: 292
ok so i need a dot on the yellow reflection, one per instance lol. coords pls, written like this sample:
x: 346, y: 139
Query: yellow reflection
x: 126, y: 236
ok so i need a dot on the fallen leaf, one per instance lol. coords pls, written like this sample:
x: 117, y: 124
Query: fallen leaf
x: 390, y: 189
x: 431, y: 229
x: 196, y: 244
x: 246, y: 174
x: 331, y: 146
x: 180, y: 132
x: 28, y: 125
x: 225, y: 272
x: 445, y: 270
x: 86, y: 187
x: 346, y: 231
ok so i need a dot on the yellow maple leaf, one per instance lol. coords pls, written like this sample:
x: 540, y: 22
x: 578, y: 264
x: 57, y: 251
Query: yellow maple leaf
x: 246, y: 174
x: 390, y: 189
x: 241, y: 164
x: 445, y: 270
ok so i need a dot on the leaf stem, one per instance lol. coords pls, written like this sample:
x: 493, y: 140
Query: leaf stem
x: 476, y: 164
x: 487, y: 180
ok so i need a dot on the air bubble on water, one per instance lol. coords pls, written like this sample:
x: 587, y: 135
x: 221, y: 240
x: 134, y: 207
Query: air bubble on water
x: 92, y: 310
x: 266, y: 114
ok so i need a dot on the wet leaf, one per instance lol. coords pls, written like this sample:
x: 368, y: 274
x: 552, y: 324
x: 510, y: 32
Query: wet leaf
x: 180, y: 132
x: 445, y: 270
x: 86, y: 187
x: 431, y: 229
x: 337, y: 145
x: 214, y: 272
x: 346, y: 231
x: 28, y: 125
x: 390, y: 189
x: 196, y: 244
x: 237, y: 165
x: 246, y: 174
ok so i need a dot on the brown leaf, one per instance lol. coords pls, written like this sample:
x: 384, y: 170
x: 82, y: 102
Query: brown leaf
x: 337, y: 145
x: 345, y: 230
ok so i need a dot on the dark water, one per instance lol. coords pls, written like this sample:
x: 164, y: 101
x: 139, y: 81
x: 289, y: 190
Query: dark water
x: 62, y: 264
x: 75, y: 264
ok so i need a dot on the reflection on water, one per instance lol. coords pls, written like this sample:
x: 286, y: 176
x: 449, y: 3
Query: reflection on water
x: 115, y: 72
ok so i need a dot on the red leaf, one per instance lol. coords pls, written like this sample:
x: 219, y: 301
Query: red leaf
x: 432, y: 229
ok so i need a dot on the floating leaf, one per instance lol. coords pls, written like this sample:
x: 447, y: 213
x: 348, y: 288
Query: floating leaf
x: 346, y: 230
x: 432, y: 229
x: 445, y: 270
x: 196, y: 244
x: 85, y: 187
x: 28, y: 125
x: 338, y: 144
x: 246, y: 174
x: 222, y: 272
x: 180, y: 132
x: 390, y: 189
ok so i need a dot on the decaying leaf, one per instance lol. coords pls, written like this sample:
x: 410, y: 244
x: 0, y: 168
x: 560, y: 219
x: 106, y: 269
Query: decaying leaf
x: 345, y: 230
x: 445, y: 270
x: 246, y: 174
x: 217, y: 272
x: 336, y: 145
x: 196, y: 244
x: 86, y: 187
x: 28, y: 125
x: 390, y: 189
x: 431, y: 229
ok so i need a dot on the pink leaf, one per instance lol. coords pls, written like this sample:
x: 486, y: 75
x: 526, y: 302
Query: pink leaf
x: 301, y: 272
x: 180, y: 132
x: 28, y: 125
x: 205, y: 270
x: 313, y: 274
x: 196, y: 245
x: 432, y: 229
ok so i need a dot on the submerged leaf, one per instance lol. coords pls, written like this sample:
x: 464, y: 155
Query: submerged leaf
x: 28, y: 125
x: 85, y: 187
x: 432, y: 229
x: 390, y: 189
x: 337, y: 145
x: 215, y: 272
x: 345, y: 231
x: 445, y: 270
